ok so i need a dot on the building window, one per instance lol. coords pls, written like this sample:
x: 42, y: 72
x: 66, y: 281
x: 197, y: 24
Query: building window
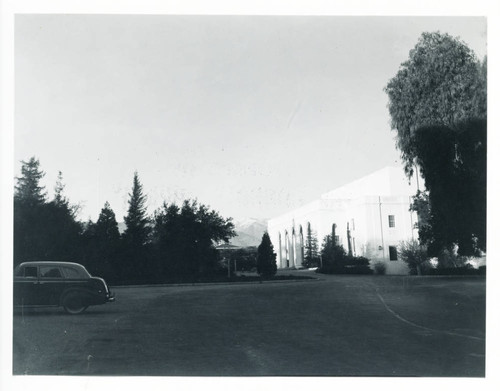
x: 393, y: 253
x: 392, y: 221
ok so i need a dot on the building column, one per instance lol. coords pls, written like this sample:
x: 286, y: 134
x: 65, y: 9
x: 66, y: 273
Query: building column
x: 280, y: 255
x: 287, y: 249
x: 300, y: 248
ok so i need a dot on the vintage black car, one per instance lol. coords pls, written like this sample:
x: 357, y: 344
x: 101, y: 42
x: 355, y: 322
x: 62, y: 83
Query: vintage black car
x: 66, y: 284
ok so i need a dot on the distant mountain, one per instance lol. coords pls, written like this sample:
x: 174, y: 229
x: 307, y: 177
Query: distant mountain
x: 249, y: 232
x: 121, y: 227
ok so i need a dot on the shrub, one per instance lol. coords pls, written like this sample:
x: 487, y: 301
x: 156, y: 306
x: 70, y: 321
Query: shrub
x: 380, y: 268
x: 448, y: 259
x: 415, y: 256
x: 345, y: 264
x: 266, y: 257
x: 467, y: 270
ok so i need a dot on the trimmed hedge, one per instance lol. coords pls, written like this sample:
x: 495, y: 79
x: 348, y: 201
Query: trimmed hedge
x: 457, y: 271
x: 347, y: 265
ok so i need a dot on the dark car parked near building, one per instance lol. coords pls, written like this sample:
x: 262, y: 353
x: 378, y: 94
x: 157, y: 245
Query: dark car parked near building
x: 66, y: 284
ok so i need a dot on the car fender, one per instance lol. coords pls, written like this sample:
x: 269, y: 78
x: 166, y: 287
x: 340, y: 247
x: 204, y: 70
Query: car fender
x: 85, y: 293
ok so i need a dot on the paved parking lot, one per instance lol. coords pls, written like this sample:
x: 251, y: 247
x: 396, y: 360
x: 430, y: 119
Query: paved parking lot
x: 334, y: 326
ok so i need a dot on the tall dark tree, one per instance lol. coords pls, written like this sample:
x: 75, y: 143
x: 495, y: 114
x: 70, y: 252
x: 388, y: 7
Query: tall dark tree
x: 29, y: 199
x: 332, y: 253
x: 437, y: 103
x: 136, y: 257
x: 103, y: 246
x: 59, y: 197
x: 453, y: 164
x: 106, y: 226
x: 311, y: 254
x: 62, y: 227
x: 137, y: 222
x: 421, y: 206
x: 42, y: 230
x: 441, y: 84
x: 184, y: 239
x: 28, y: 189
x: 266, y: 257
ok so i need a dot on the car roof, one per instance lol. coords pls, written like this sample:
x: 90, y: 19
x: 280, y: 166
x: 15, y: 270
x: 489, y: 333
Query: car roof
x: 54, y: 263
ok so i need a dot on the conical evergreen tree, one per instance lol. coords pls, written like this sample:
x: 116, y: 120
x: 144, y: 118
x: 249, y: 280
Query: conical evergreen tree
x: 28, y: 189
x: 311, y: 248
x: 103, y: 245
x: 106, y: 227
x: 137, y: 232
x: 136, y: 236
x: 42, y: 230
x: 266, y: 257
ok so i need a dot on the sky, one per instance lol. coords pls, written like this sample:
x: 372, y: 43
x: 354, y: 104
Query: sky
x: 251, y: 115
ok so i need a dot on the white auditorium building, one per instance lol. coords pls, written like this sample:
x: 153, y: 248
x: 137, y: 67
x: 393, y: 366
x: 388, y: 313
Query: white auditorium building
x: 375, y: 210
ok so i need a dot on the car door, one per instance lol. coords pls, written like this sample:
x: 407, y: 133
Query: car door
x: 51, y: 284
x: 26, y: 286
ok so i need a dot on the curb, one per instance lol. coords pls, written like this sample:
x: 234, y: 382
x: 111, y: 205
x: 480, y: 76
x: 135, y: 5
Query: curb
x: 213, y: 283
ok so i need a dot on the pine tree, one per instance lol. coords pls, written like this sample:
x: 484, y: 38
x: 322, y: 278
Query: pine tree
x: 137, y: 232
x: 266, y: 257
x: 136, y: 237
x: 43, y: 230
x: 103, y: 240
x: 61, y: 201
x: 28, y: 189
x: 106, y: 226
x: 311, y: 248
x: 59, y: 197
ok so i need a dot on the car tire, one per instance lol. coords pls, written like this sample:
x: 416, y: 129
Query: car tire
x: 74, y: 303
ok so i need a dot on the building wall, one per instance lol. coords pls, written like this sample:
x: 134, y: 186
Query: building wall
x: 367, y: 215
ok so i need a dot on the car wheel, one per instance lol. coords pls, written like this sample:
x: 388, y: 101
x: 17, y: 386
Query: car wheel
x: 74, y: 304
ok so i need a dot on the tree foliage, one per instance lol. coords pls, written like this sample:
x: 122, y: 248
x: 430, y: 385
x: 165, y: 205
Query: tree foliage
x: 415, y: 256
x: 453, y: 164
x: 441, y: 84
x: 266, y: 257
x: 182, y: 244
x: 245, y: 258
x: 332, y: 253
x: 336, y: 261
x: 102, y: 255
x: 311, y: 253
x: 42, y: 229
x: 28, y: 189
x: 437, y: 103
x: 137, y: 230
x: 184, y: 239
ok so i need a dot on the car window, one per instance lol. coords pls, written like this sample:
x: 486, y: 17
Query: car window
x: 30, y: 271
x: 50, y: 272
x: 73, y: 273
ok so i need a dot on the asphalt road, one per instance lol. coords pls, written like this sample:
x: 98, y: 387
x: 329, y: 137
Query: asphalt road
x: 335, y: 326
